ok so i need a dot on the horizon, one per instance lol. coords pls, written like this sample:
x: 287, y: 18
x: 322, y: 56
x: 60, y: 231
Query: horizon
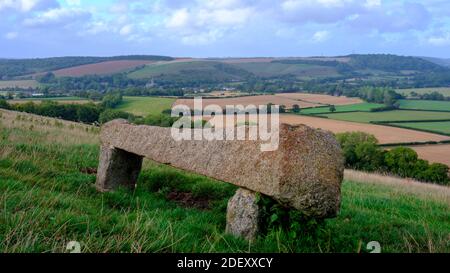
x: 227, y: 28
x: 217, y: 57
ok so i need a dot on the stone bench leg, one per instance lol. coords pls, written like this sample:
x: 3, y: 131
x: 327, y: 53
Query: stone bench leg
x: 117, y: 168
x: 243, y: 214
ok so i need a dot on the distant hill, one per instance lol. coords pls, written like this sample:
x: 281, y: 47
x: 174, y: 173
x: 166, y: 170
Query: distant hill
x: 439, y: 61
x: 10, y: 68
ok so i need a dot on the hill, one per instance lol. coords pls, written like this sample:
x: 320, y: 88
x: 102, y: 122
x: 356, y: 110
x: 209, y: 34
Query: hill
x: 47, y: 168
x: 10, y: 68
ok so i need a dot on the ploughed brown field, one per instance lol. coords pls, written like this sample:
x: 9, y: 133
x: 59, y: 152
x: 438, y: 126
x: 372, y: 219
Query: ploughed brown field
x: 250, y: 100
x: 434, y: 153
x: 103, y: 68
x: 322, y: 99
x: 384, y: 134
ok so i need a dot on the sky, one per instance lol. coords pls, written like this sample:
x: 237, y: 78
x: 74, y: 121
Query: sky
x: 223, y: 28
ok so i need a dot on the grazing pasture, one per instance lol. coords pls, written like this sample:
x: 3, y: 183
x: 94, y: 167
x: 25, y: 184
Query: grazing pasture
x: 398, y: 115
x: 442, y: 127
x: 19, y: 83
x: 321, y: 99
x: 143, y: 106
x: 103, y: 68
x: 264, y: 69
x: 425, y: 105
x: 360, y: 107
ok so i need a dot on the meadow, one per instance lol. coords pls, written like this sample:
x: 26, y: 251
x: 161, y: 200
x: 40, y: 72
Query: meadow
x: 437, y: 127
x: 63, y: 100
x: 143, y: 106
x: 47, y: 199
x: 425, y: 105
x: 397, y: 115
x: 359, y: 107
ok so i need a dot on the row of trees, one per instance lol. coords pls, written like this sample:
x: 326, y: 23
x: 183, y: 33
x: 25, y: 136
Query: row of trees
x: 361, y: 152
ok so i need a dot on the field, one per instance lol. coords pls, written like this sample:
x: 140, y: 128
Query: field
x: 64, y: 100
x: 434, y: 153
x: 321, y: 99
x: 103, y: 68
x: 425, y: 105
x: 399, y: 115
x: 279, y: 69
x: 438, y: 127
x: 144, y: 106
x: 443, y: 90
x: 384, y: 134
x: 19, y: 83
x: 47, y: 200
x: 250, y: 100
x: 360, y: 107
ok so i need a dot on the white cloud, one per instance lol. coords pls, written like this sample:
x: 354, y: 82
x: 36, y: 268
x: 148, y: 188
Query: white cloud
x: 58, y: 16
x: 126, y: 30
x: 320, y: 36
x: 442, y: 40
x: 21, y: 5
x: 11, y: 35
x: 178, y: 19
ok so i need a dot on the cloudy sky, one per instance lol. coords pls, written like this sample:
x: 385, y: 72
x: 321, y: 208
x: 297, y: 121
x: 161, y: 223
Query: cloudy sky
x: 224, y: 28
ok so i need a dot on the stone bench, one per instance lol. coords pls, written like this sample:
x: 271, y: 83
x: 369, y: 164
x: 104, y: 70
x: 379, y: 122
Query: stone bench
x: 305, y: 173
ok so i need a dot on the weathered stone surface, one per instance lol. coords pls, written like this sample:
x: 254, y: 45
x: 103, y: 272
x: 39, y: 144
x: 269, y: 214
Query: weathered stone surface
x: 243, y: 215
x: 117, y: 168
x: 304, y: 173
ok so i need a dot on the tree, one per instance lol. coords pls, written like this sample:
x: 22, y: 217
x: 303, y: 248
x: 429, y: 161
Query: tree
x: 402, y: 161
x: 282, y: 109
x: 296, y: 108
x: 332, y: 108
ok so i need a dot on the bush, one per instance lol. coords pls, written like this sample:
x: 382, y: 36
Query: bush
x: 111, y: 114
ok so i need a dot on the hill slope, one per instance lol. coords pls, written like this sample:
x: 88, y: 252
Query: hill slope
x: 47, y: 170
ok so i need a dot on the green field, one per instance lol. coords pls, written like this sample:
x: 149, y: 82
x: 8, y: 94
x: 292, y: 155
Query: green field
x: 47, y: 199
x: 443, y: 90
x: 397, y: 115
x: 19, y: 83
x: 54, y: 99
x: 437, y: 127
x: 425, y: 105
x: 280, y: 69
x: 363, y: 107
x: 143, y: 106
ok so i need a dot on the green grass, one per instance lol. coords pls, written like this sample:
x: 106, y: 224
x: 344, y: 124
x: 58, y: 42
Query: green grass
x: 363, y: 107
x: 397, y: 115
x: 46, y: 200
x: 425, y: 105
x: 280, y: 69
x: 443, y: 90
x: 144, y: 106
x: 437, y: 127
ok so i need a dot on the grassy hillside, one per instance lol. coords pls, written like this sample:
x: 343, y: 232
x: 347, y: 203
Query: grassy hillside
x: 47, y: 198
x: 280, y: 69
x: 206, y: 71
x: 143, y: 106
x: 400, y: 115
x: 425, y: 105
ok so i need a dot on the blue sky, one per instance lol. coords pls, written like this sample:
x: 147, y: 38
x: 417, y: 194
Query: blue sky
x: 223, y: 28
